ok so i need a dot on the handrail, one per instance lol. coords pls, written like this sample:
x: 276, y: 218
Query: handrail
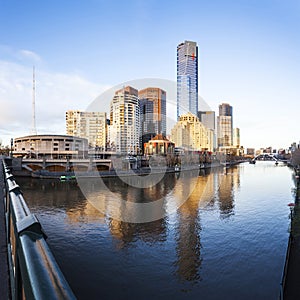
x: 34, y: 271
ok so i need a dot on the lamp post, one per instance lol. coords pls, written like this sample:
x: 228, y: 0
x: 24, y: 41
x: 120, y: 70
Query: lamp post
x: 11, y: 147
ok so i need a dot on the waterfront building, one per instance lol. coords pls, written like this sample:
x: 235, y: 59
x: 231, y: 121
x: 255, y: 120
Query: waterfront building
x: 89, y: 125
x: 152, y: 113
x: 50, y: 146
x: 208, y: 119
x: 191, y: 134
x: 225, y: 126
x: 250, y: 151
x: 159, y: 145
x: 187, y: 78
x: 236, y: 138
x: 124, y: 128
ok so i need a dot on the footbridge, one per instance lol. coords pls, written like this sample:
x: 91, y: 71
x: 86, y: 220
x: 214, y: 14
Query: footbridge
x: 265, y: 156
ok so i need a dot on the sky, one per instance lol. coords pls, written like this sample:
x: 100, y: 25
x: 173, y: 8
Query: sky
x: 249, y: 57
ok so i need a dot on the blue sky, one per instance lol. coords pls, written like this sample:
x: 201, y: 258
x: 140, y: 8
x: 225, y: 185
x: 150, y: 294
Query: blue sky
x: 249, y: 56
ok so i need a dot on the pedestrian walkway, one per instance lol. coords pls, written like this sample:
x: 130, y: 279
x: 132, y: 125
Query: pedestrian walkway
x: 4, y: 274
x: 292, y: 286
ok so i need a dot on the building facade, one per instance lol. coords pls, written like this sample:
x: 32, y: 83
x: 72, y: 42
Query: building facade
x: 225, y: 126
x: 124, y: 128
x: 207, y: 118
x: 152, y: 113
x: 187, y: 78
x: 236, y: 138
x: 159, y: 145
x: 89, y: 125
x: 189, y: 133
x: 50, y: 146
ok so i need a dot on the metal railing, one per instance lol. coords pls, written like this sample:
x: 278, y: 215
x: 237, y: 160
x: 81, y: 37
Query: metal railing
x: 34, y: 273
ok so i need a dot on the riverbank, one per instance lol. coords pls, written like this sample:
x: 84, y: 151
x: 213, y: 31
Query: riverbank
x: 45, y: 174
x: 290, y: 281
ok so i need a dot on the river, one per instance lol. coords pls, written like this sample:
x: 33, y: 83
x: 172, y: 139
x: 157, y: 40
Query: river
x: 228, y: 239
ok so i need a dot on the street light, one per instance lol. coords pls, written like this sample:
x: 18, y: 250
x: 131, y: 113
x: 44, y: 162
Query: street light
x: 11, y: 147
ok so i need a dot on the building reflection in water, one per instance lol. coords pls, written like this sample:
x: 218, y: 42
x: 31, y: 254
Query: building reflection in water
x: 188, y: 227
x: 210, y: 189
x: 228, y: 182
x: 126, y: 201
x: 125, y: 232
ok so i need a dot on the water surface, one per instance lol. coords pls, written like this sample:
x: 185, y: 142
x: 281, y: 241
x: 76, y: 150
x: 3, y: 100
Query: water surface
x: 227, y: 241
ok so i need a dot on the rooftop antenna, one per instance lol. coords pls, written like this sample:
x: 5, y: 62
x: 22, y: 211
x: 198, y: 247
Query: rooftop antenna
x: 33, y: 128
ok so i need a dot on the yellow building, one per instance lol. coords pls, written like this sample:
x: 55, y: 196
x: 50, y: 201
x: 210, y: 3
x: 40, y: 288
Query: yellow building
x: 191, y: 134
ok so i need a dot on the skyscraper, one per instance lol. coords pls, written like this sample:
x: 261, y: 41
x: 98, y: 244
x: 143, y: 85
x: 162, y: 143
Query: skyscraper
x: 207, y: 118
x: 224, y: 126
x: 153, y: 113
x: 236, y: 138
x: 187, y: 78
x: 124, y: 128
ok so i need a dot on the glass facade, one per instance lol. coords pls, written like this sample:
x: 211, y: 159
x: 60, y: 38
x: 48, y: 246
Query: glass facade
x: 153, y: 113
x: 187, y: 78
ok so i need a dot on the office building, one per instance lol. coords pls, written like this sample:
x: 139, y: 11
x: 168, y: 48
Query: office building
x: 224, y: 126
x: 152, y: 113
x: 207, y: 118
x: 187, y: 78
x: 236, y: 138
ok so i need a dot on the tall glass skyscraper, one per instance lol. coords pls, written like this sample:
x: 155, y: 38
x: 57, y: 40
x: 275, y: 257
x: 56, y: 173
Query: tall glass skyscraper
x: 187, y: 78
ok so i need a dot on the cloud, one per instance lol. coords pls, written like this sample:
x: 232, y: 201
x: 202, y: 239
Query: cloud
x: 55, y: 94
x: 27, y: 54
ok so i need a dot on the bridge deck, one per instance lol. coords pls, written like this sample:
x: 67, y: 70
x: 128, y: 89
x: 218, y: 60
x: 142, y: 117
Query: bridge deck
x: 4, y: 277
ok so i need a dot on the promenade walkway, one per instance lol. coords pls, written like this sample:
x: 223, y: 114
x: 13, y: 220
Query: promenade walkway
x: 292, y: 283
x: 4, y: 277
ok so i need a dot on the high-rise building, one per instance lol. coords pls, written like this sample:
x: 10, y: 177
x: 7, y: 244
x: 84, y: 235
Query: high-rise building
x: 187, y: 78
x: 153, y: 113
x: 207, y: 118
x: 224, y: 126
x: 124, y: 128
x: 236, y: 138
x: 89, y: 125
x: 191, y: 134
